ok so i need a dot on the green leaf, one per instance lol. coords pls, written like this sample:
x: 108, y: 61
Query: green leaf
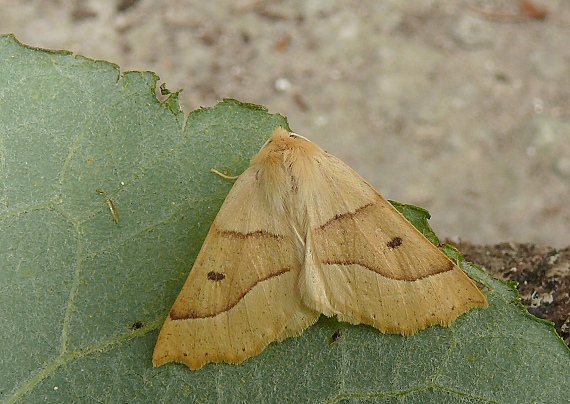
x: 82, y: 298
x: 419, y: 218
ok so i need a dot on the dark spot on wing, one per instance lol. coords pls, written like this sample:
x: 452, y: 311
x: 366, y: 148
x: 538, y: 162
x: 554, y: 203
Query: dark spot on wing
x: 394, y: 243
x: 216, y: 276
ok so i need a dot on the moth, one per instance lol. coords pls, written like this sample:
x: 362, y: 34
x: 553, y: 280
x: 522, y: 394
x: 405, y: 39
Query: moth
x: 299, y: 235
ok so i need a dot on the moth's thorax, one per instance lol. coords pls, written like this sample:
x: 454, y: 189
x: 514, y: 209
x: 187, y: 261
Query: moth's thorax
x: 286, y: 170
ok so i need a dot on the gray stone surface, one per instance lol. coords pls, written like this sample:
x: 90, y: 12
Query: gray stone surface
x: 436, y: 106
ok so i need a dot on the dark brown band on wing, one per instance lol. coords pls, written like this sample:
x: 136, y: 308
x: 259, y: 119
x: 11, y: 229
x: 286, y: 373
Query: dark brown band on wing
x: 191, y: 313
x: 362, y: 227
x: 401, y: 277
x: 257, y: 233
x: 346, y: 215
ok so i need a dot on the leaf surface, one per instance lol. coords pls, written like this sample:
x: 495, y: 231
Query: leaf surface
x: 82, y: 298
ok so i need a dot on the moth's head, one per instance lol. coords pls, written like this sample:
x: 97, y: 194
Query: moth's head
x: 285, y: 164
x: 285, y: 146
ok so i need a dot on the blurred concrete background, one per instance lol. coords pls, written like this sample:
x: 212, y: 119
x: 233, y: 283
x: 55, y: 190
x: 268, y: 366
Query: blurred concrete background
x: 461, y: 107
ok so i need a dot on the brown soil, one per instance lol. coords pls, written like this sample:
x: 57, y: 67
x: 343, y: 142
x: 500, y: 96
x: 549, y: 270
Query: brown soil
x: 542, y: 274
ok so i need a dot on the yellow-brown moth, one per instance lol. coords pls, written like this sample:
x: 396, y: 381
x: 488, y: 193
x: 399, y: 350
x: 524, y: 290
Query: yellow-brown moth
x: 299, y: 235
